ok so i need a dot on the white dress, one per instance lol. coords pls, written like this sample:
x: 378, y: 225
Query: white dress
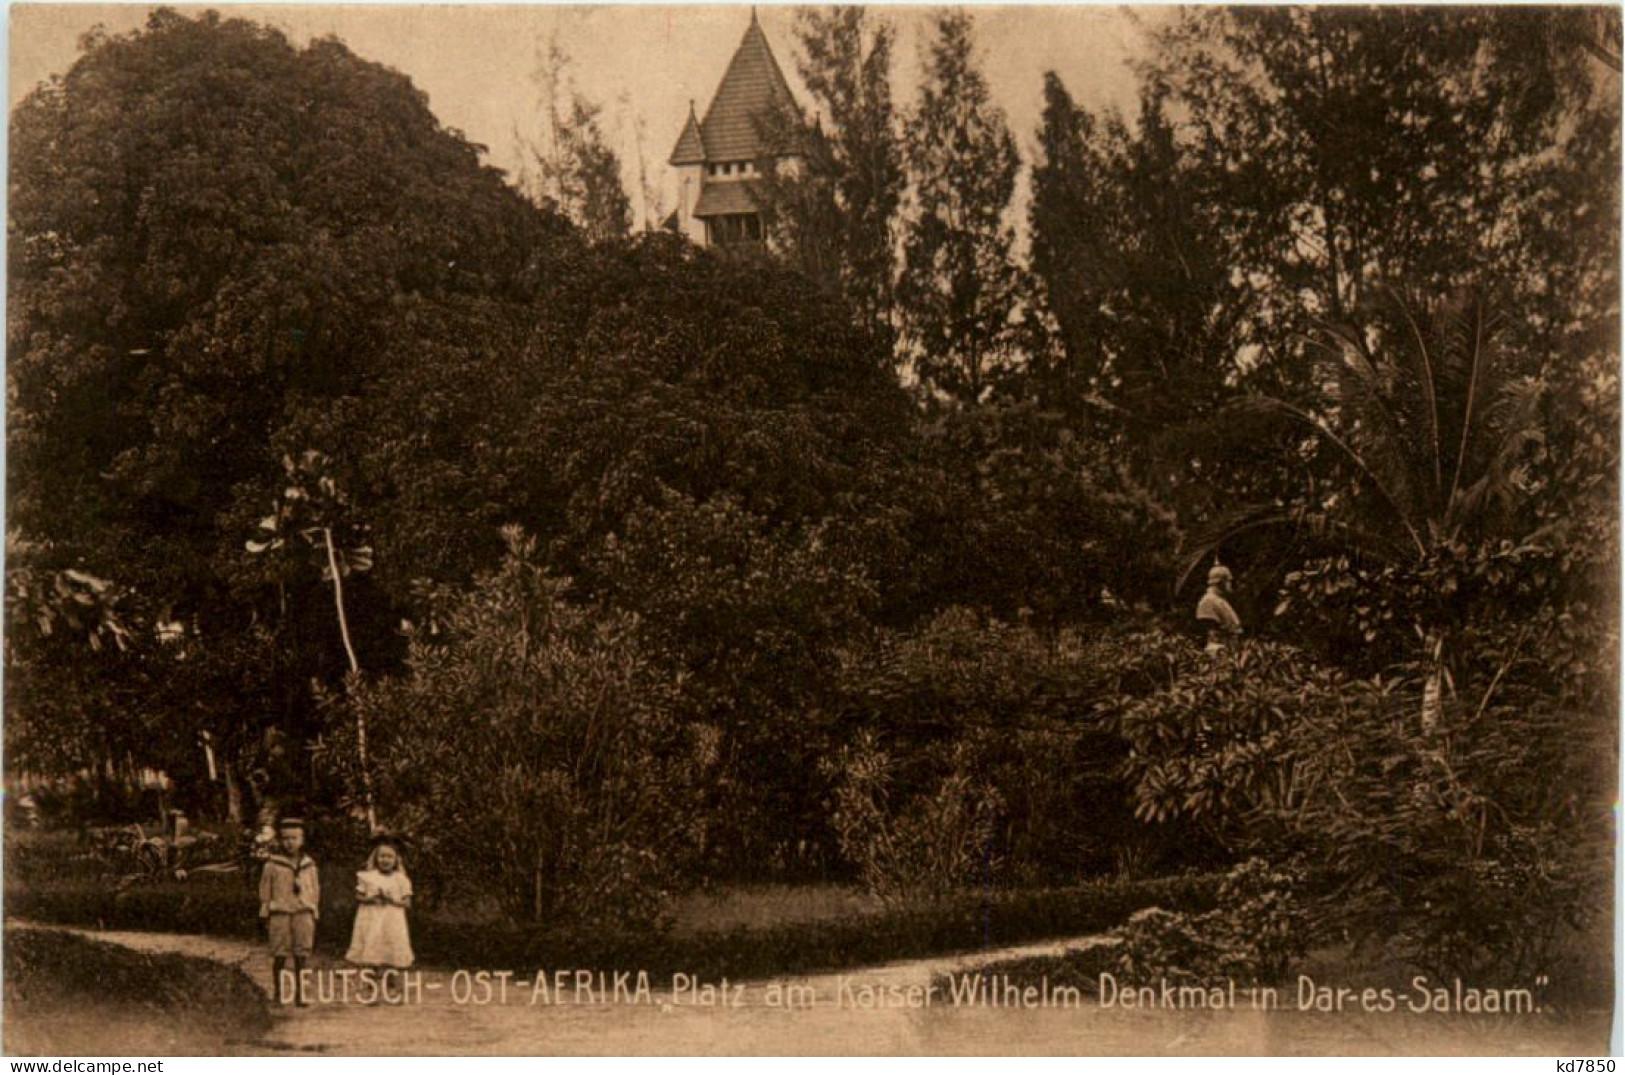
x: 380, y: 937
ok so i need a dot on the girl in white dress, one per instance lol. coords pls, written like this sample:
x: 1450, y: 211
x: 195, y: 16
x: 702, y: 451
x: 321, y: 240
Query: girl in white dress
x: 383, y: 892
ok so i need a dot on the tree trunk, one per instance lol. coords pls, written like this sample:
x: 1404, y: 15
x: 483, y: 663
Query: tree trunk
x: 354, y: 677
x: 234, y: 796
x: 1433, y: 688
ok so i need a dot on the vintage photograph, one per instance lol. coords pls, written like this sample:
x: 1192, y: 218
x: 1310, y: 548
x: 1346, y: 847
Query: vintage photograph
x: 701, y: 530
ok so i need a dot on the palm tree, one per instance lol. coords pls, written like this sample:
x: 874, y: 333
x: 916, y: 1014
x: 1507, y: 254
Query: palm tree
x: 1427, y: 424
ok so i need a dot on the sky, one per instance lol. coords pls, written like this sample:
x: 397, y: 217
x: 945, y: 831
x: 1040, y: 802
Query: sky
x: 641, y: 63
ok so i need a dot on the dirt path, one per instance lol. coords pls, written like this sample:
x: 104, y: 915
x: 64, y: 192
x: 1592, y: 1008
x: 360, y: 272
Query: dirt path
x: 863, y: 1011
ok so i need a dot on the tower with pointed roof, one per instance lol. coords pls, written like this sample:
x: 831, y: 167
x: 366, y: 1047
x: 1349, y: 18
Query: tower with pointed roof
x: 717, y: 158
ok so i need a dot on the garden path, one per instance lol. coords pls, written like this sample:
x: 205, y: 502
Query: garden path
x: 832, y: 1023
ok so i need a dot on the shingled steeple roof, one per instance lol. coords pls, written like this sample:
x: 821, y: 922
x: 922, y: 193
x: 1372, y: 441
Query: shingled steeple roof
x: 690, y: 147
x: 753, y: 89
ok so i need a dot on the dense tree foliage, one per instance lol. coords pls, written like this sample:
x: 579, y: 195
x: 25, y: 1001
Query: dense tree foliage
x: 1286, y: 172
x: 1354, y: 148
x: 1132, y: 263
x: 453, y: 354
x: 644, y: 564
x: 210, y: 232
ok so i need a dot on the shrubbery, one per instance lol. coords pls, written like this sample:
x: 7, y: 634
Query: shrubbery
x: 939, y: 841
x: 964, y: 922
x: 1467, y: 847
x: 531, y: 750
x: 1260, y: 926
x: 1215, y: 742
x: 1472, y: 847
x: 996, y: 746
x: 1251, y: 930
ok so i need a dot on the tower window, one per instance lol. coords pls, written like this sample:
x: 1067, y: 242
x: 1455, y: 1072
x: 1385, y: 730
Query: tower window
x: 731, y: 168
x: 734, y: 229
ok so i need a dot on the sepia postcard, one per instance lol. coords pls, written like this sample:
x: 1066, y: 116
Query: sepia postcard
x: 701, y: 530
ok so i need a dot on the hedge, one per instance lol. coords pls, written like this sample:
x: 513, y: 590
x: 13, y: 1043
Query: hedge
x: 1080, y: 969
x: 225, y: 906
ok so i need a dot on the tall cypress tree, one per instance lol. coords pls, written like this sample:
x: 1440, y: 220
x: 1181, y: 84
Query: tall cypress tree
x: 960, y: 289
x: 1126, y: 248
x: 847, y: 68
x: 834, y: 216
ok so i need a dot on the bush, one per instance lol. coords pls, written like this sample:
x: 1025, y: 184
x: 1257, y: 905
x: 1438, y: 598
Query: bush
x: 1468, y: 846
x: 1017, y: 726
x: 743, y: 615
x: 1251, y: 931
x: 223, y: 907
x: 936, y: 843
x: 41, y: 854
x: 1258, y: 929
x: 530, y: 747
x: 1214, y: 744
x: 168, y: 906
